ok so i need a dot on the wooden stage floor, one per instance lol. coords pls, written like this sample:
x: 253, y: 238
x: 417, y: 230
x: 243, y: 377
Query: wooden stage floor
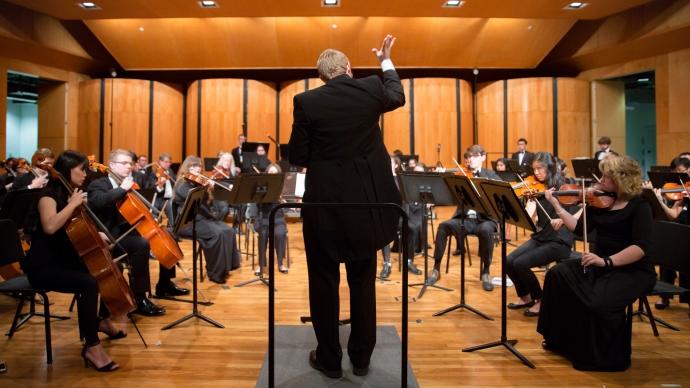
x: 196, y: 354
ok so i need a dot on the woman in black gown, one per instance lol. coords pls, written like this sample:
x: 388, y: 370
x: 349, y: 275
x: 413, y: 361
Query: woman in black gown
x: 54, y: 265
x: 217, y: 239
x: 583, y: 308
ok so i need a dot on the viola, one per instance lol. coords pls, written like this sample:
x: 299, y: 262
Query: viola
x: 676, y: 191
x: 161, y: 174
x: 134, y: 208
x: 83, y: 231
x: 572, y: 194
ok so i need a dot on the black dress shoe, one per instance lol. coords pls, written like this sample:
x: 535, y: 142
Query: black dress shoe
x: 433, y: 278
x: 360, y: 371
x: 170, y: 289
x: 146, y: 307
x: 456, y: 252
x: 662, y: 304
x: 530, y: 313
x: 314, y: 363
x: 386, y: 270
x: 218, y: 281
x: 486, y: 282
x: 413, y: 268
x: 517, y: 306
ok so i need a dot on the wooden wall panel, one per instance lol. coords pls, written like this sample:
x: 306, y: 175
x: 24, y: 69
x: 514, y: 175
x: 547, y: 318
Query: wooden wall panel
x: 608, y: 114
x: 167, y: 121
x: 221, y: 115
x: 288, y: 90
x: 3, y: 116
x: 530, y: 113
x: 435, y: 120
x: 466, y: 117
x: 126, y: 115
x: 261, y: 114
x: 191, y: 139
x: 52, y: 120
x: 396, y: 125
x: 89, y: 114
x: 574, y: 133
x: 490, y: 119
x: 676, y: 136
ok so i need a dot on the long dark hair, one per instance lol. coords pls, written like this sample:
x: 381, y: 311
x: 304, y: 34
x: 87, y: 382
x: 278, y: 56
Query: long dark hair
x: 554, y: 178
x: 64, y: 164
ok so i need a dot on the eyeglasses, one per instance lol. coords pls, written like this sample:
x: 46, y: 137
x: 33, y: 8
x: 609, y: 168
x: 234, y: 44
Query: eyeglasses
x: 124, y: 163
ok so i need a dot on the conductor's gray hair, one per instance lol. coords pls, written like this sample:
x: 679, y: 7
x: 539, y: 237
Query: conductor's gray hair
x: 331, y: 63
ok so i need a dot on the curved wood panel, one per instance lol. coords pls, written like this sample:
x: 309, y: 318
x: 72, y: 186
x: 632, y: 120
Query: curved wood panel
x: 490, y: 119
x: 191, y: 138
x: 466, y: 118
x: 88, y: 116
x: 530, y: 113
x: 288, y: 90
x: 574, y: 133
x: 435, y: 120
x: 221, y: 115
x: 396, y: 125
x: 167, y: 121
x: 261, y: 114
x: 126, y: 115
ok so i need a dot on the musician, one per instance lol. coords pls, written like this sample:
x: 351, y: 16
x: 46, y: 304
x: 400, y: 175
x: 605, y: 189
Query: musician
x: 54, y: 265
x: 583, y: 314
x: 501, y: 164
x: 280, y: 231
x: 217, y: 239
x: 523, y: 157
x: 225, y: 172
x: 104, y: 195
x: 335, y: 134
x: 162, y: 178
x: 549, y: 243
x: 237, y: 151
x: 260, y: 162
x: 39, y: 176
x: 678, y: 212
x: 142, y: 162
x: 604, y: 148
x: 469, y: 222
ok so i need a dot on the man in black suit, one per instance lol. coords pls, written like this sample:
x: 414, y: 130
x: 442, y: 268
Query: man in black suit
x: 237, y: 151
x: 523, y: 157
x: 336, y: 135
x: 469, y: 222
x: 604, y: 148
x: 104, y: 194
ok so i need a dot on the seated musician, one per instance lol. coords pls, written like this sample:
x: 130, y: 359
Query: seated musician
x: 676, y: 211
x: 501, y: 164
x: 224, y: 171
x: 162, y: 178
x: 550, y: 242
x: 583, y: 307
x: 280, y: 231
x: 470, y: 222
x: 38, y: 178
x: 104, y: 195
x: 414, y: 230
x: 217, y: 239
x: 54, y: 265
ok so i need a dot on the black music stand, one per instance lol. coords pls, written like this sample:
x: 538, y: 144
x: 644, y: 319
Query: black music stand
x: 467, y: 197
x: 586, y: 168
x: 425, y: 188
x: 209, y: 163
x: 508, y: 176
x: 506, y: 206
x: 659, y: 178
x: 513, y: 166
x: 258, y: 189
x: 187, y: 216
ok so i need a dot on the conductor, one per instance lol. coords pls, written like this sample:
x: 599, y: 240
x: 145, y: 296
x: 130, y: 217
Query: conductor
x: 336, y: 135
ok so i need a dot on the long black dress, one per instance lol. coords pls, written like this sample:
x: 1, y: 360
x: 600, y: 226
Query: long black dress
x: 583, y: 314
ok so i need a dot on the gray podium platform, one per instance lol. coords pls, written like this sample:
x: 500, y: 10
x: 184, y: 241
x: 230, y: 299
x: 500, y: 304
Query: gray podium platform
x: 293, y: 344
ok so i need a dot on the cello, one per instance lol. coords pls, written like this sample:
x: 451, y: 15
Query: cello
x: 82, y: 230
x: 134, y: 208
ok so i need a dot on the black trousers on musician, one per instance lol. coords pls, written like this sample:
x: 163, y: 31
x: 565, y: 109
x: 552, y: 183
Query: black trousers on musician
x: 137, y: 249
x: 280, y: 235
x: 324, y: 302
x: 484, y: 230
x: 529, y: 255
x: 78, y: 281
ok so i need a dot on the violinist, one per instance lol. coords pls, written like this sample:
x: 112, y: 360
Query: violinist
x: 224, y: 171
x: 676, y: 211
x: 38, y: 178
x: 501, y: 164
x: 217, y: 239
x: 280, y: 231
x: 549, y: 243
x: 583, y: 307
x: 160, y: 176
x: 469, y: 222
x: 54, y: 265
x: 104, y: 195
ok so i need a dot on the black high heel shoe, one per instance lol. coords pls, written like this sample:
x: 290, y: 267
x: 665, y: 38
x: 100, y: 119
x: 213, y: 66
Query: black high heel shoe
x: 109, y: 367
x: 118, y: 335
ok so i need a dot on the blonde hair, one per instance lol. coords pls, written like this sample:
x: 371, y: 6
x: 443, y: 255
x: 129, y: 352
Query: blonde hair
x: 625, y: 172
x: 120, y: 151
x: 331, y: 63
x: 228, y: 155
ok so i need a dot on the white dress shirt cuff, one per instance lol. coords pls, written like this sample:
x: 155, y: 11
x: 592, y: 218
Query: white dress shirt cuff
x: 387, y: 64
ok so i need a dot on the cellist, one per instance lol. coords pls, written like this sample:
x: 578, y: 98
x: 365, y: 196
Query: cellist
x: 54, y: 265
x: 104, y: 195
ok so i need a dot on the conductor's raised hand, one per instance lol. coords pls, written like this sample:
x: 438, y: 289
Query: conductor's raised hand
x: 385, y: 51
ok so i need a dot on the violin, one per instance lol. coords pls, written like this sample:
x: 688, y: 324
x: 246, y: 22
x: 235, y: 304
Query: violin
x: 460, y: 170
x: 528, y: 187
x: 572, y: 194
x: 676, y: 191
x: 220, y: 173
x: 203, y: 180
x: 134, y: 208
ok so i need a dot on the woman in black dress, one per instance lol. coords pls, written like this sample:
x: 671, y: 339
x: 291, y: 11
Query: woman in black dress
x: 583, y: 308
x: 217, y: 239
x: 550, y: 242
x: 54, y: 265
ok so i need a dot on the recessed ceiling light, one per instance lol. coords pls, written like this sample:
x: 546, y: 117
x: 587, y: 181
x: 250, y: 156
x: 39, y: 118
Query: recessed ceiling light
x: 643, y: 80
x: 141, y: 29
x: 575, y: 5
x: 453, y: 3
x: 330, y: 3
x: 334, y: 26
x: 88, y: 5
x: 208, y: 4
